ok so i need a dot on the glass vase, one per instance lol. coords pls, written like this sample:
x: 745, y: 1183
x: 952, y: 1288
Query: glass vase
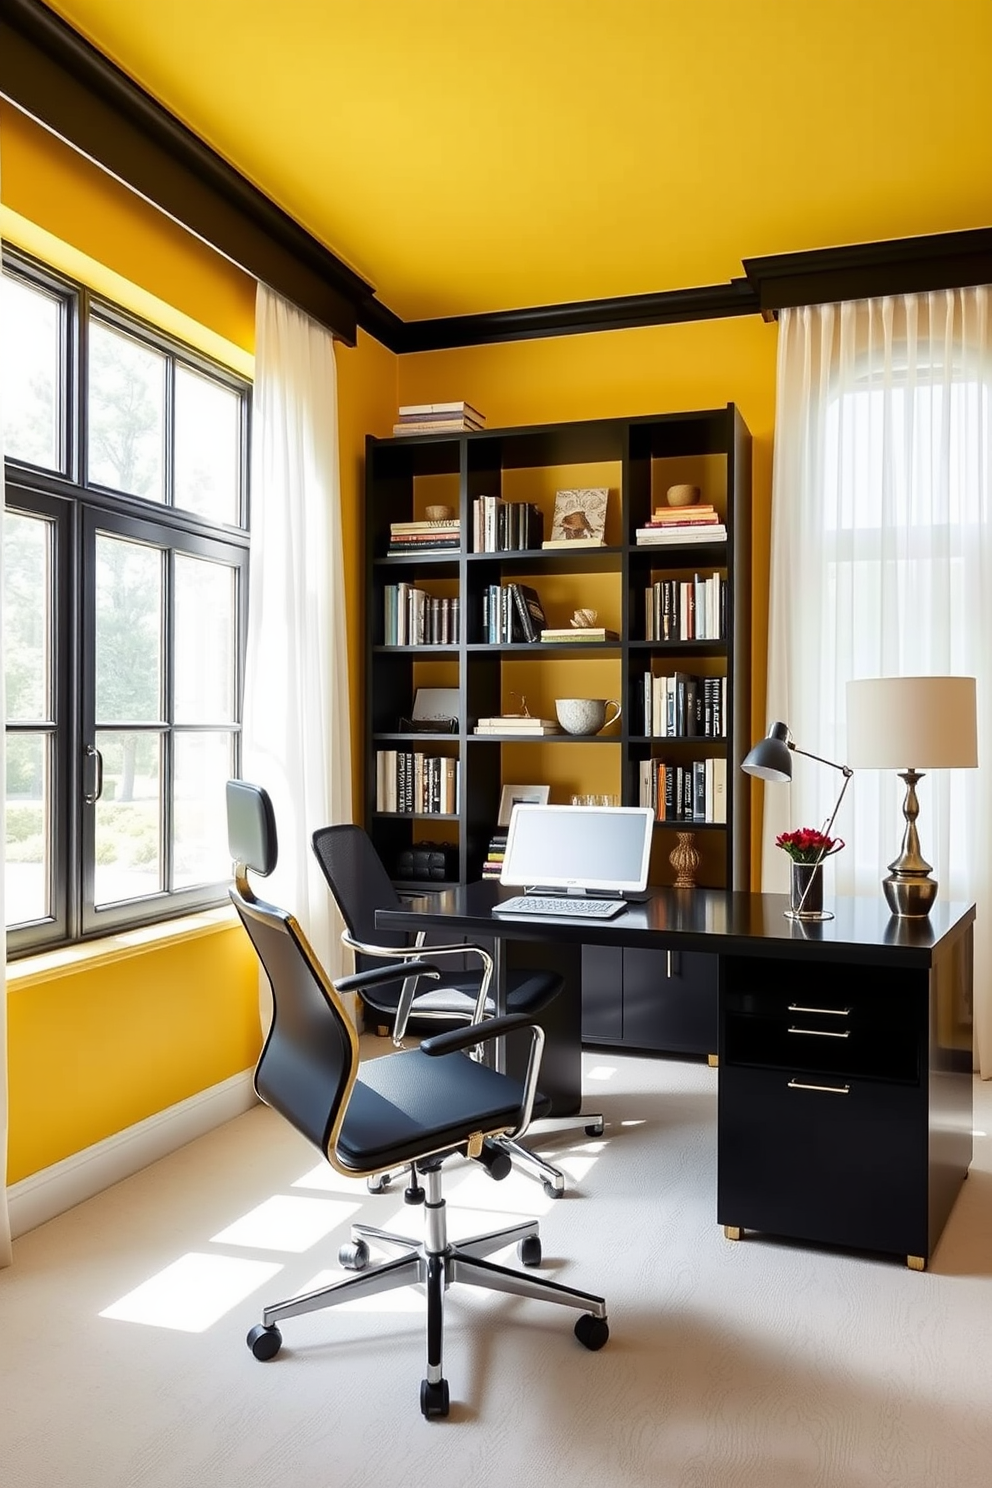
x: 806, y: 891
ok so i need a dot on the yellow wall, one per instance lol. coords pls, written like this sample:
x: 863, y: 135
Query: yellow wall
x: 659, y: 369
x: 93, y: 1049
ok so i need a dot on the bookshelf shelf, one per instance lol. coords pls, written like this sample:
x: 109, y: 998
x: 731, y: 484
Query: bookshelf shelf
x: 637, y: 458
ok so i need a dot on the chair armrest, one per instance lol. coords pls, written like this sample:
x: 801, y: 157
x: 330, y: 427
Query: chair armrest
x: 379, y: 974
x: 474, y: 1033
x: 405, y: 1003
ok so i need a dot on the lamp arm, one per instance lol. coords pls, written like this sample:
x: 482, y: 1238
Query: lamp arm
x: 847, y: 772
x: 845, y: 769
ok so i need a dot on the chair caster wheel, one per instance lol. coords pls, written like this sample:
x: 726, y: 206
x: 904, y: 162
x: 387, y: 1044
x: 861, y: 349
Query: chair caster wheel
x: 529, y: 1250
x: 354, y: 1257
x: 378, y: 1184
x: 553, y: 1190
x: 264, y: 1342
x: 434, y: 1398
x: 592, y: 1332
x: 597, y: 1130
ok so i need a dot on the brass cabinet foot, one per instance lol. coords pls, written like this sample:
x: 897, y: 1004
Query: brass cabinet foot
x: 733, y: 1232
x: 713, y: 1060
x: 916, y: 1263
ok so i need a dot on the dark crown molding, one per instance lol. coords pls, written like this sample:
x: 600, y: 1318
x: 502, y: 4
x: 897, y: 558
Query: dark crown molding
x: 861, y: 271
x: 48, y: 70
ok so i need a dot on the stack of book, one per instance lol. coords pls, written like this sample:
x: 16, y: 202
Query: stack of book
x: 686, y: 609
x: 424, y: 537
x: 438, y: 418
x: 681, y: 524
x: 412, y: 617
x: 410, y: 781
x: 585, y: 634
x: 511, y: 612
x: 694, y: 792
x: 519, y: 728
x: 500, y: 526
x: 493, y: 866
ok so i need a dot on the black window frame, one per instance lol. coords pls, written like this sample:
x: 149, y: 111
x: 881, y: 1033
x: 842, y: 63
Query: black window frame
x: 78, y: 511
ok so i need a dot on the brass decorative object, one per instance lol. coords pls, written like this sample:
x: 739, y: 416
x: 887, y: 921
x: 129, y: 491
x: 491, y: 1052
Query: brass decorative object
x: 685, y: 858
x: 584, y: 619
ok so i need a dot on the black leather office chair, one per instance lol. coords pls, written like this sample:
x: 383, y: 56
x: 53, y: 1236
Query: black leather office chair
x: 418, y: 1108
x: 360, y: 885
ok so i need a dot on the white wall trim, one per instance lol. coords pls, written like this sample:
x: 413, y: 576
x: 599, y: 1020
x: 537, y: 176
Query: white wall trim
x: 43, y: 1195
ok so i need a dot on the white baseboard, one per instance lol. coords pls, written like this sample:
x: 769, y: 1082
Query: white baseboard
x: 41, y: 1196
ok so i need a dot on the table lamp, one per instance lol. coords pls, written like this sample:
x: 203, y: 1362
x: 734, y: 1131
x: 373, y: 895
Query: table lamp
x: 931, y: 721
x: 771, y: 759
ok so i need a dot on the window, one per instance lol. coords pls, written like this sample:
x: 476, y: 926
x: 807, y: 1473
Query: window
x: 125, y: 572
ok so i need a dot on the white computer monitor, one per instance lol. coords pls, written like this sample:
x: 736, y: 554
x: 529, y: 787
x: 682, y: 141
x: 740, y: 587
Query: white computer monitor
x: 598, y: 849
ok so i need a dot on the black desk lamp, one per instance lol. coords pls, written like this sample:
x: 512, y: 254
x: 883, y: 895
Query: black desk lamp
x: 771, y: 759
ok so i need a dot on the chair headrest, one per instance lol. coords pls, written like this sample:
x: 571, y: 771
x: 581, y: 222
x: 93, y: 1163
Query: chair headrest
x: 251, y: 827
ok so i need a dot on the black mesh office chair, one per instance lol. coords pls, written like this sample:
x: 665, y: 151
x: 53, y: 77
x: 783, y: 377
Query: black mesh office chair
x: 417, y: 1108
x: 360, y: 885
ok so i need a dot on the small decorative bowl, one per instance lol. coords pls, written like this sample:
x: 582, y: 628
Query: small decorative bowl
x: 682, y: 495
x: 440, y: 513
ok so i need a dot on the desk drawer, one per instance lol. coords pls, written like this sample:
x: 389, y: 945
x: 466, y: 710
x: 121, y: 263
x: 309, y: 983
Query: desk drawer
x: 847, y: 1047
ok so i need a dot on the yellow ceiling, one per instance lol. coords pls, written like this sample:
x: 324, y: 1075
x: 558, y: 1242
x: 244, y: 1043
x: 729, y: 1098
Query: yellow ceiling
x: 472, y: 155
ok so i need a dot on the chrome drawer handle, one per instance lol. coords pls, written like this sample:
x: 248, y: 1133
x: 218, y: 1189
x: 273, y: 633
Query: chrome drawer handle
x: 827, y: 1089
x: 795, y: 1007
x: 823, y: 1032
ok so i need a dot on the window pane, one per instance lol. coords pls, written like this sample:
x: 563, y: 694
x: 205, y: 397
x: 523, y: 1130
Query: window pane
x: 128, y: 818
x: 204, y: 674
x: 27, y: 616
x: 128, y: 631
x: 208, y: 447
x: 203, y: 763
x: 27, y: 875
x: 30, y: 373
x: 126, y: 414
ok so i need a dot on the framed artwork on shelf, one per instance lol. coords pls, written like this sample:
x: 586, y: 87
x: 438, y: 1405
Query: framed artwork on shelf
x: 516, y: 795
x: 580, y: 518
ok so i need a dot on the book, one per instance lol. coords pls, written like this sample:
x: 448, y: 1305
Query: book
x: 655, y: 524
x: 573, y: 542
x: 683, y: 513
x: 437, y: 426
x: 530, y: 611
x: 517, y: 733
x: 586, y: 634
x: 580, y: 515
x: 421, y: 410
x: 449, y: 524
x: 672, y: 536
x: 513, y: 721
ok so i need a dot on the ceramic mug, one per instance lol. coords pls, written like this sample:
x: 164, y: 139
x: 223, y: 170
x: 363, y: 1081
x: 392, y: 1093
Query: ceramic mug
x: 585, y: 715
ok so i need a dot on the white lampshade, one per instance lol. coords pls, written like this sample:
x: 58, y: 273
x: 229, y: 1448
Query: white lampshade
x: 915, y: 723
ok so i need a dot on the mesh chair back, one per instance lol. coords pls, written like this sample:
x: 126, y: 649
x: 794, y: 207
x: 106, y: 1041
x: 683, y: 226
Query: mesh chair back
x: 357, y: 877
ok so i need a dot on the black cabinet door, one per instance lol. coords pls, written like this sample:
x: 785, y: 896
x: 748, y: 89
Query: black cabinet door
x: 670, y: 1001
x: 602, y: 994
x: 823, y: 1158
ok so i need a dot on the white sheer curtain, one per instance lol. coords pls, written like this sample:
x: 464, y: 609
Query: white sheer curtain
x: 5, y: 1252
x: 296, y: 712
x: 882, y: 566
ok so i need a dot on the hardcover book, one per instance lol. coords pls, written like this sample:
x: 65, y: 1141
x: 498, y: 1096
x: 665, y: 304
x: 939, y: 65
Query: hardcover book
x: 580, y: 516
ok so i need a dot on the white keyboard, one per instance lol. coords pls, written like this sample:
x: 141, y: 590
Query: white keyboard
x: 571, y: 906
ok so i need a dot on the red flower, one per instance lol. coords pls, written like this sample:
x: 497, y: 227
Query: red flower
x: 807, y: 845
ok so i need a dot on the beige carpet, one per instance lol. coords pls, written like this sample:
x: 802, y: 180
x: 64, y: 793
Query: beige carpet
x: 757, y: 1365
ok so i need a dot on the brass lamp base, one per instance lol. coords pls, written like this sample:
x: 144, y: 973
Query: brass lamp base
x: 911, y: 896
x: 909, y: 889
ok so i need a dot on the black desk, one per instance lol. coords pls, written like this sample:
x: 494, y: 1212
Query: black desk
x: 844, y: 1110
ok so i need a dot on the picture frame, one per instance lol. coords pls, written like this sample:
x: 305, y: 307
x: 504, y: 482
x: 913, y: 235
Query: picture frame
x: 515, y: 795
x: 435, y: 703
x: 580, y: 514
